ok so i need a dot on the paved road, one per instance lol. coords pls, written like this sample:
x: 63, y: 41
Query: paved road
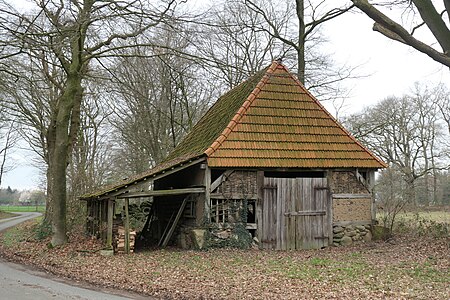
x: 5, y: 223
x: 22, y: 283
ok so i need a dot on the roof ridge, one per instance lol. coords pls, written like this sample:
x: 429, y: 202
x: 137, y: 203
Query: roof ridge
x: 241, y: 111
x: 333, y: 118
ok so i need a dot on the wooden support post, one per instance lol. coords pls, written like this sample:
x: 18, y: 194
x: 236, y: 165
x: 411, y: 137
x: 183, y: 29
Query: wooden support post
x: 127, y: 227
x: 100, y: 220
x: 109, y: 233
x: 207, y: 182
x: 259, y: 202
x: 329, y: 202
x: 373, y: 209
x: 88, y: 216
x: 94, y: 218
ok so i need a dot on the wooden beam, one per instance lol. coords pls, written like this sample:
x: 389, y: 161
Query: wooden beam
x: 109, y: 233
x: 165, y: 229
x: 250, y: 226
x: 259, y: 202
x: 373, y: 208
x: 351, y: 196
x: 221, y: 179
x: 175, y: 223
x: 207, y: 183
x: 346, y: 223
x: 127, y: 227
x: 119, y: 192
x: 100, y: 221
x: 329, y: 175
x: 233, y: 196
x: 198, y: 190
x: 361, y: 179
x: 306, y: 213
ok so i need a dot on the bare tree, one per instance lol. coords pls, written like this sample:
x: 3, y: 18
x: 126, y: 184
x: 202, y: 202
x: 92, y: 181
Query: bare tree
x: 390, y: 197
x: 158, y: 101
x: 74, y: 33
x: 91, y: 156
x: 234, y: 45
x: 443, y: 102
x: 297, y: 25
x: 406, y: 133
x: 435, y: 21
x: 9, y: 138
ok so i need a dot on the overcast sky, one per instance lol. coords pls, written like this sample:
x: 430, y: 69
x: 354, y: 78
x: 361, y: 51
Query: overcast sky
x: 392, y: 66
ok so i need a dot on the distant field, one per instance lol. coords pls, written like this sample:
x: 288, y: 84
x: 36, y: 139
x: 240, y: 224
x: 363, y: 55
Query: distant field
x: 440, y: 216
x: 436, y: 216
x: 18, y: 208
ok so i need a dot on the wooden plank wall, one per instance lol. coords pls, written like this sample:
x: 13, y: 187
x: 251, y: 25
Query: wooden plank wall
x: 294, y: 213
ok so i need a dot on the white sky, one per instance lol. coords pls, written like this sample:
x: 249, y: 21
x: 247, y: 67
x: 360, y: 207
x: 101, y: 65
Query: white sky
x: 392, y: 66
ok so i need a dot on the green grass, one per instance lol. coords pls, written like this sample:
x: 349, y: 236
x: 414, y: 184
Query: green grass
x: 18, y: 208
x: 15, y: 235
x: 32, y: 229
x: 436, y: 216
x: 422, y: 223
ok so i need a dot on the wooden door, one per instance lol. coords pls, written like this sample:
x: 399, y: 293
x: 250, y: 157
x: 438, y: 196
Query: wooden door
x: 296, y: 213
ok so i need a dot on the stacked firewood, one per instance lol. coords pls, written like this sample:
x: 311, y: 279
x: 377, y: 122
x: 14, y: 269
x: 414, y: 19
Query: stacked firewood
x: 119, y: 240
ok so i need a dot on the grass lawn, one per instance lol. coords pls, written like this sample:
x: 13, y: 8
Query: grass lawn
x: 408, y: 267
x: 431, y: 223
x: 436, y: 216
x: 19, y: 208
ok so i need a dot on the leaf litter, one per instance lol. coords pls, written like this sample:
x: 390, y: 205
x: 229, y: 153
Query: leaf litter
x: 406, y: 268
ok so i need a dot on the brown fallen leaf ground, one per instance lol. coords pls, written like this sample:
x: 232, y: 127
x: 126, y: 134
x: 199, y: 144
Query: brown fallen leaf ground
x: 406, y: 268
x: 6, y: 215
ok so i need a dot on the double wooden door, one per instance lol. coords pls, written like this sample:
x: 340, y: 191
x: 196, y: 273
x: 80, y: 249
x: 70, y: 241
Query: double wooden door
x: 296, y: 214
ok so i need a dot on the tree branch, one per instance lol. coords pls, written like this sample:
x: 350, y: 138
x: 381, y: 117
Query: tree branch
x: 393, y: 29
x: 436, y: 24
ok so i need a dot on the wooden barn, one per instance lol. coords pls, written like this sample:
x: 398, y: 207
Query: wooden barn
x: 267, y: 164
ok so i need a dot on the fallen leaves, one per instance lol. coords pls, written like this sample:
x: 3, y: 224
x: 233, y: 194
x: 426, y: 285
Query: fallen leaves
x: 410, y: 268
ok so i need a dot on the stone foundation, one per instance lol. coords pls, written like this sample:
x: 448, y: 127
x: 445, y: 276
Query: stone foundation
x: 204, y: 238
x: 347, y: 235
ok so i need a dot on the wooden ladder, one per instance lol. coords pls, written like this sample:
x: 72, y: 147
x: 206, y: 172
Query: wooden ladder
x: 167, y: 234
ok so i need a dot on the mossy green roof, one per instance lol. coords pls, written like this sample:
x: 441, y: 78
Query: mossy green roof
x: 270, y: 121
x: 202, y: 135
x: 211, y: 125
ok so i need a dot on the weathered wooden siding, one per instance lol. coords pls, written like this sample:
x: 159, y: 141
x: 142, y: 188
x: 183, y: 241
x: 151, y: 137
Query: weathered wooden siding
x: 295, y: 213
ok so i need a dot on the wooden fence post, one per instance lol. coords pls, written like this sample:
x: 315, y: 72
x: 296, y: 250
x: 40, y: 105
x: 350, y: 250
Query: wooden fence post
x: 207, y: 182
x: 127, y: 227
x: 109, y: 233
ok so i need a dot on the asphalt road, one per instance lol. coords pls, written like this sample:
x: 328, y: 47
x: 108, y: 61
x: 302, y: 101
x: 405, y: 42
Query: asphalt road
x: 18, y: 282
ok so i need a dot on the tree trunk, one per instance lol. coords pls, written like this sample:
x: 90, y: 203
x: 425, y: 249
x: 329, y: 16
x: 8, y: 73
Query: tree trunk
x: 300, y: 7
x: 49, y: 202
x: 410, y: 192
x: 59, y: 159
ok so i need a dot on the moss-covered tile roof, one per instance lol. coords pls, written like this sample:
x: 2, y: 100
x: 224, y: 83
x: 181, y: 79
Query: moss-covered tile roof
x: 213, y: 122
x: 281, y: 125
x: 268, y: 121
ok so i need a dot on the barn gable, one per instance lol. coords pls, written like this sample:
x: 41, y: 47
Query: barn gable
x: 271, y: 120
